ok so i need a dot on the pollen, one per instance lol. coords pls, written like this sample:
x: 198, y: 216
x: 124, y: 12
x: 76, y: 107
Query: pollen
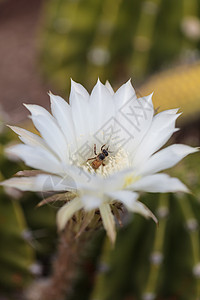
x: 128, y: 180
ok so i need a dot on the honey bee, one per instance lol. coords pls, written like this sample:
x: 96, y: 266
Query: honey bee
x: 98, y: 160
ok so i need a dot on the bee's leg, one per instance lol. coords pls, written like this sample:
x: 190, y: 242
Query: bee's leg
x: 109, y: 150
x: 102, y: 147
x: 95, y: 149
x: 91, y: 158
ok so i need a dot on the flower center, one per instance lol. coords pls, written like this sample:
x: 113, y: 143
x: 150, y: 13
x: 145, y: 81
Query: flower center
x: 107, y: 165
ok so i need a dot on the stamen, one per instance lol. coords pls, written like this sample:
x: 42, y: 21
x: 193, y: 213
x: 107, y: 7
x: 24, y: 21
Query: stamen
x: 113, y: 163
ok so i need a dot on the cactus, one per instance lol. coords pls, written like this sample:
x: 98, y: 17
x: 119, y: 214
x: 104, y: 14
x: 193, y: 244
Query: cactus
x: 115, y: 40
x: 16, y: 255
x: 26, y: 232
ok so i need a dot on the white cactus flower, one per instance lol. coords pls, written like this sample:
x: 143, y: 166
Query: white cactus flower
x: 103, y: 147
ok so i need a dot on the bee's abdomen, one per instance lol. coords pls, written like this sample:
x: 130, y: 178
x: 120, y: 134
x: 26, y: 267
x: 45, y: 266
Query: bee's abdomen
x: 96, y: 164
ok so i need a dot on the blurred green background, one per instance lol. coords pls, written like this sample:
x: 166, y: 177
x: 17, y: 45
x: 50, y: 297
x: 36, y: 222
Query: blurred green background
x: 157, y: 44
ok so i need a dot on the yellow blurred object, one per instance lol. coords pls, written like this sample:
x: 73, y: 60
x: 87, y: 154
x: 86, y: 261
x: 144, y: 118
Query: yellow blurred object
x: 176, y: 88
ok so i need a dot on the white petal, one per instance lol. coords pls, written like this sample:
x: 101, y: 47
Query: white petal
x: 141, y: 209
x: 37, y: 158
x: 102, y: 112
x: 28, y: 137
x: 141, y: 115
x: 81, y: 177
x: 92, y: 182
x: 172, y: 111
x: 36, y: 110
x: 161, y: 129
x: 90, y: 202
x: 52, y: 136
x: 109, y: 87
x: 21, y: 183
x: 108, y: 221
x: 126, y: 197
x: 166, y: 158
x: 79, y: 101
x: 40, y: 183
x: 116, y: 181
x: 47, y: 126
x: 95, y: 184
x: 67, y: 211
x: 79, y: 89
x: 158, y: 183
x: 62, y: 113
x: 135, y: 118
x: 130, y: 200
x: 45, y: 182
x: 124, y: 95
